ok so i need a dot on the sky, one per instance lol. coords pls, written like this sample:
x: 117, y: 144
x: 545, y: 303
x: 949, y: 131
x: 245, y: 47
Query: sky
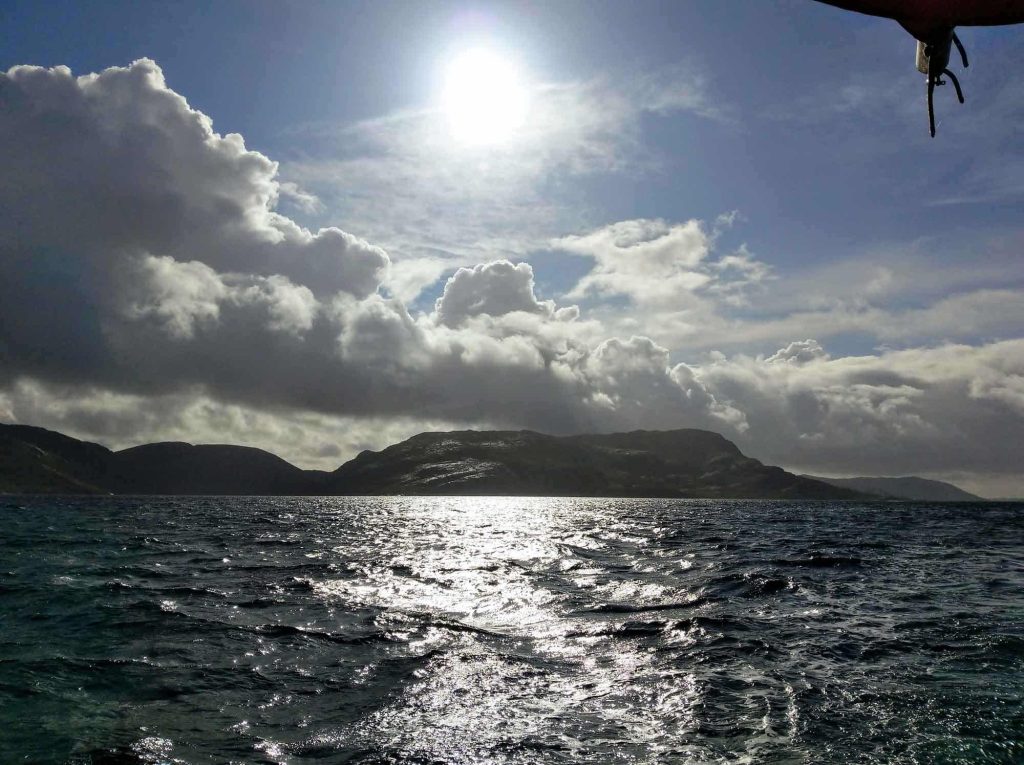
x: 318, y: 228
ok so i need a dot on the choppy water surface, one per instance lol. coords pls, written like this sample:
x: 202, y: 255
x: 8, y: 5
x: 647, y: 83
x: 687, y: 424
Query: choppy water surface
x: 509, y: 631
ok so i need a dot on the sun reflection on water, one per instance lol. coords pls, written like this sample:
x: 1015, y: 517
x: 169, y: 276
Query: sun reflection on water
x: 481, y: 574
x: 493, y: 606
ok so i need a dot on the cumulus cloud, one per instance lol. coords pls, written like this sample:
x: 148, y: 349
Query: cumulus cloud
x: 648, y: 260
x: 295, y: 195
x: 149, y: 259
x: 117, y: 164
x: 494, y: 288
x: 290, y: 308
x: 179, y: 296
x: 408, y: 278
x: 123, y: 207
x: 677, y: 283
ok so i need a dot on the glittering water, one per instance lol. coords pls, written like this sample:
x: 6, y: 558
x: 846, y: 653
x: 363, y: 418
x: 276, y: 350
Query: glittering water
x: 509, y: 631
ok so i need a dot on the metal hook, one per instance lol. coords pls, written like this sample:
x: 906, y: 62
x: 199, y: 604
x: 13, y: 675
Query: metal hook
x: 960, y: 47
x: 931, y: 106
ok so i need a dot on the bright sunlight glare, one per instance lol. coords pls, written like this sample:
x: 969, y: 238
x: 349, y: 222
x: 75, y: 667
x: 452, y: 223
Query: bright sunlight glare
x: 483, y: 97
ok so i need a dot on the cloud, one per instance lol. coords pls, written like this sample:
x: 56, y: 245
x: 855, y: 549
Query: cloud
x: 799, y: 352
x: 648, y: 260
x: 494, y: 289
x: 948, y: 408
x: 298, y: 197
x: 126, y: 213
x: 977, y: 315
x: 677, y: 283
x: 149, y: 260
x: 177, y: 295
x: 660, y: 265
x: 679, y: 88
x: 673, y: 281
x: 127, y: 168
x: 408, y: 278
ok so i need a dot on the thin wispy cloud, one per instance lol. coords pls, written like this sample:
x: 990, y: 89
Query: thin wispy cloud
x: 502, y: 201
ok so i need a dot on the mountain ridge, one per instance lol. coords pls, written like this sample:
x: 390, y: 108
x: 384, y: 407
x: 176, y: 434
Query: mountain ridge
x: 910, y: 487
x: 641, y: 463
x: 676, y: 463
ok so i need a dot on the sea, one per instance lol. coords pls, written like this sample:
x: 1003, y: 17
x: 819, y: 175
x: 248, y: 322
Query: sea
x: 448, y: 631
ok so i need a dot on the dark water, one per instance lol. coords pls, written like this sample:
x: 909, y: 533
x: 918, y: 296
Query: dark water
x: 509, y: 631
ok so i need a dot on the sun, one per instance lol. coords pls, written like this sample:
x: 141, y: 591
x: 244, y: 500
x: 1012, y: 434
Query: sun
x: 483, y: 98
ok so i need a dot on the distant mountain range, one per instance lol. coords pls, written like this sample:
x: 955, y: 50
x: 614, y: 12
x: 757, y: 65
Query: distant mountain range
x: 673, y: 463
x: 907, y: 487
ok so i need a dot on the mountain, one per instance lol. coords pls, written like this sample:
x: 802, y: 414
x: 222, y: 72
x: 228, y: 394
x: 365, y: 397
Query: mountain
x: 26, y: 469
x: 908, y: 487
x: 180, y: 468
x: 38, y: 461
x: 674, y: 463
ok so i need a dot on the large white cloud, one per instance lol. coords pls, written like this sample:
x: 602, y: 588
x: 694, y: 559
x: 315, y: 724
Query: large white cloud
x: 117, y: 164
x: 122, y: 208
x: 681, y: 285
x: 147, y: 258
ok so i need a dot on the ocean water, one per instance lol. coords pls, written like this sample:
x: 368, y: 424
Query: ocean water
x: 476, y: 630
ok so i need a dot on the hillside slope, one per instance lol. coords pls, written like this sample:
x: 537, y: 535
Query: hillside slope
x: 675, y: 463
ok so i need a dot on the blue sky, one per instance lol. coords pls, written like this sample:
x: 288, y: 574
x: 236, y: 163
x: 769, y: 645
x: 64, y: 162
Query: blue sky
x: 721, y: 180
x: 854, y: 178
